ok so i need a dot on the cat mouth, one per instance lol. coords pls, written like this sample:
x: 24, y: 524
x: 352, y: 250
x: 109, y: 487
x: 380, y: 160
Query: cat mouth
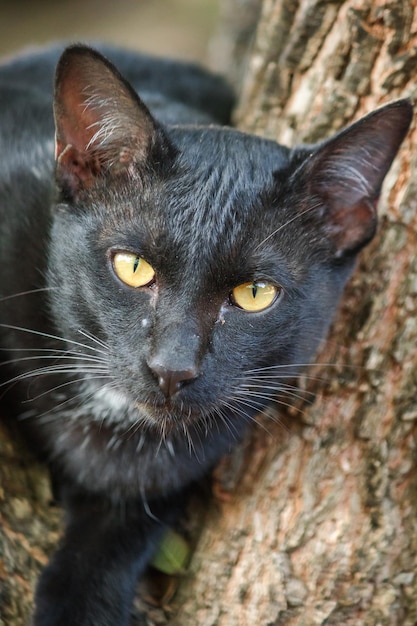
x: 176, y: 423
x: 168, y: 416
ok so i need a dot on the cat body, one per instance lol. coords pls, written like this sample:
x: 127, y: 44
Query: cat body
x: 163, y: 278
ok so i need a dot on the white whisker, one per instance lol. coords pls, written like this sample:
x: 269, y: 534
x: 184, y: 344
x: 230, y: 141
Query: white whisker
x: 54, y: 369
x: 100, y: 376
x: 49, y: 336
x: 284, y: 388
x: 93, y: 338
x: 25, y: 293
x: 272, y: 398
x: 292, y: 219
x: 56, y: 357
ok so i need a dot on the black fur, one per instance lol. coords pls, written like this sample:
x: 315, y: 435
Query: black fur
x: 131, y: 395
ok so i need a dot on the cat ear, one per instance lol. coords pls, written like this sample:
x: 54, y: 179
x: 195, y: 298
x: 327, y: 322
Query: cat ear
x: 347, y: 172
x: 101, y: 124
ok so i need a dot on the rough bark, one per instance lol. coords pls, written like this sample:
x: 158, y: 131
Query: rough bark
x: 29, y: 528
x: 316, y: 521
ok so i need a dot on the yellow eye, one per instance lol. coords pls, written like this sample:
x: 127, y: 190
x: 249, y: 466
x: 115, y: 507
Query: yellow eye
x: 132, y: 269
x: 255, y: 296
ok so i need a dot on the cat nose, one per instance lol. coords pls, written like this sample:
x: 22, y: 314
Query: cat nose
x: 171, y: 381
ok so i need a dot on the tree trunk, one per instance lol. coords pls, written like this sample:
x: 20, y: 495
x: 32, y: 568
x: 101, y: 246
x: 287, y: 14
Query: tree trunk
x: 315, y: 521
x: 314, y: 517
x: 29, y: 528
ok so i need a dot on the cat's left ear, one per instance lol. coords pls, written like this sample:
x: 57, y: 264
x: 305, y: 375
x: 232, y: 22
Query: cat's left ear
x: 346, y: 173
x: 102, y: 126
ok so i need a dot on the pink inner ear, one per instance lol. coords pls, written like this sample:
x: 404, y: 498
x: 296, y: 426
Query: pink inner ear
x: 77, y: 167
x: 101, y: 124
x: 352, y: 227
x: 76, y: 122
x: 348, y: 170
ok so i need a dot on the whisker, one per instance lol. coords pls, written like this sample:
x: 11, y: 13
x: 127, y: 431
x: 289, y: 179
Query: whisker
x: 310, y: 365
x: 56, y: 357
x: 292, y: 219
x: 53, y: 369
x: 223, y: 418
x: 83, y: 394
x: 49, y: 336
x: 284, y: 388
x: 25, y: 293
x: 298, y: 366
x: 259, y: 409
x: 190, y: 442
x: 100, y: 375
x: 236, y: 408
x: 272, y: 398
x: 53, y: 350
x: 88, y: 335
x: 134, y: 427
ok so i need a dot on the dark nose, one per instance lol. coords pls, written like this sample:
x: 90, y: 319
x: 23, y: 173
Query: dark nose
x: 171, y: 381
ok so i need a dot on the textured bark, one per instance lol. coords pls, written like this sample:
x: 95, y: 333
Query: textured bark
x: 29, y: 528
x: 316, y: 519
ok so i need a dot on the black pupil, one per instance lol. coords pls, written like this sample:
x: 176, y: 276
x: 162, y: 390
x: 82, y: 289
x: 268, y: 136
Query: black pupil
x: 135, y: 264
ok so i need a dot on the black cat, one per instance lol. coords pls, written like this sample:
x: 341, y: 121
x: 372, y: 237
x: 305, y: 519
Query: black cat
x: 160, y: 283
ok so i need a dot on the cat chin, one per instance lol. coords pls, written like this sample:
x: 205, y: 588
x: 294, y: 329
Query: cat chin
x: 113, y: 399
x: 157, y: 417
x: 114, y: 407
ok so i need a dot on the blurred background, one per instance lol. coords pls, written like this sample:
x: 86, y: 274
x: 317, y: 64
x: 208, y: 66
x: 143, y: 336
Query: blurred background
x: 180, y: 28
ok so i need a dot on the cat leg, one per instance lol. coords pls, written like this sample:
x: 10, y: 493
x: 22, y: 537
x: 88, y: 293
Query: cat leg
x: 91, y: 579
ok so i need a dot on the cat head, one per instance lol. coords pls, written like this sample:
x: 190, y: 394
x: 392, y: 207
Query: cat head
x: 208, y: 262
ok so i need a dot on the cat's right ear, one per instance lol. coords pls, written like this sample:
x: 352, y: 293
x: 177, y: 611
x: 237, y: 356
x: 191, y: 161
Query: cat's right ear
x: 346, y: 173
x: 102, y: 126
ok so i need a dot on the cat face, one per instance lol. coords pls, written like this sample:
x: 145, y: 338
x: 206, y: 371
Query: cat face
x: 203, y: 264
x: 198, y: 231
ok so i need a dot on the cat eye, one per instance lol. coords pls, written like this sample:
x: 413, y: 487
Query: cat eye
x: 255, y: 296
x: 132, y: 269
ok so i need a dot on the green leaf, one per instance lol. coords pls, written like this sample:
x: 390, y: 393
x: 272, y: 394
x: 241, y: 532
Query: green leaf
x: 172, y: 555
